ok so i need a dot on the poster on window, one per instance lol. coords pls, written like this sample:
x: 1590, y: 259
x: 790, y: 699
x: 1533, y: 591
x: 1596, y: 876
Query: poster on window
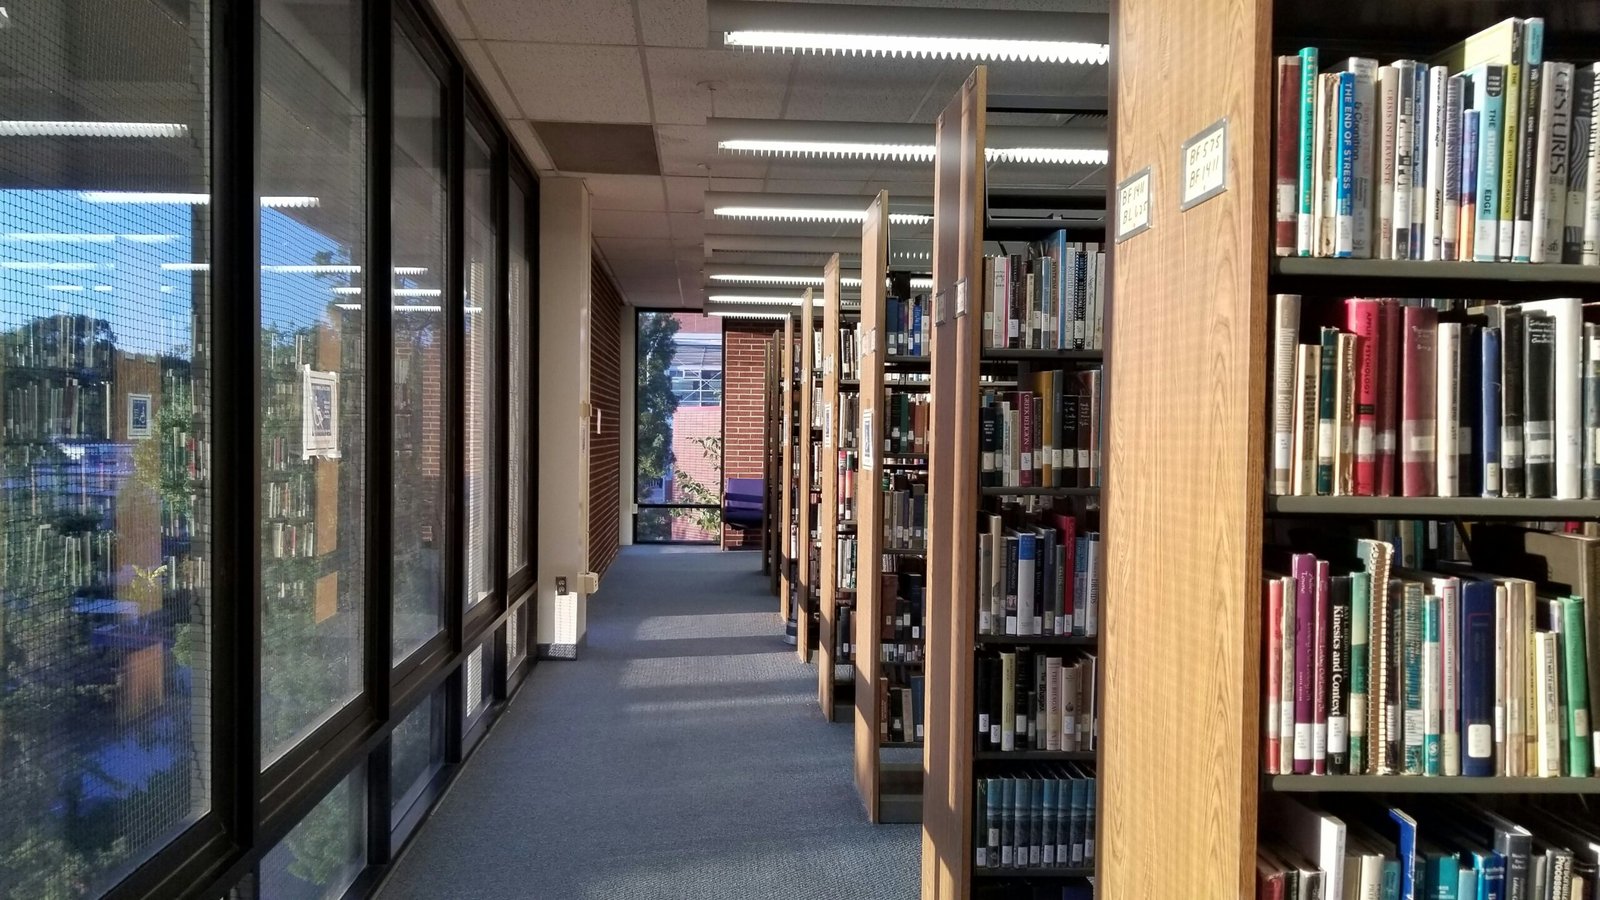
x: 319, y: 415
x: 138, y: 416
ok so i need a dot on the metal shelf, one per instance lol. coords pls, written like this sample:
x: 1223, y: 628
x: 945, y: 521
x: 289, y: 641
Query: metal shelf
x: 1418, y: 270
x: 1435, y: 507
x: 1035, y: 755
x: 899, y: 359
x: 1416, y: 784
x: 1041, y: 491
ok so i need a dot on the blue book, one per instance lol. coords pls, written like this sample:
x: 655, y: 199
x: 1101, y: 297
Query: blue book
x: 991, y: 838
x: 1488, y: 96
x: 1411, y: 876
x: 1477, y: 678
x: 891, y: 333
x: 1308, y: 144
x: 1089, y: 822
x: 1489, y: 412
x: 1344, y: 188
x: 1048, y: 842
x: 916, y: 328
x: 1432, y: 689
x: 1080, y: 818
x: 1064, y: 823
x: 1441, y: 874
x: 1008, y: 819
x: 1034, y: 795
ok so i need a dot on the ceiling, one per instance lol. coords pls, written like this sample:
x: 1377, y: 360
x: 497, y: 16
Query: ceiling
x: 645, y: 63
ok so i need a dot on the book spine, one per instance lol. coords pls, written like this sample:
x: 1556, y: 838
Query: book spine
x: 1327, y: 412
x: 1389, y: 342
x: 1550, y: 177
x: 1286, y: 328
x: 1360, y: 650
x: 1434, y: 165
x: 1303, y: 569
x: 1477, y: 680
x: 1432, y: 713
x: 1388, y: 91
x: 1414, y: 721
x: 1286, y: 164
x: 1489, y: 410
x: 1361, y: 319
x: 1404, y: 160
x: 1339, y: 678
x: 1528, y: 137
x: 1590, y: 252
x: 1447, y: 409
x: 1467, y: 222
x: 1285, y: 676
x: 1511, y: 130
x: 1417, y: 423
x: 1420, y: 145
x: 1575, y: 679
x: 1450, y: 216
x: 1449, y: 613
x: 1490, y: 84
x: 1539, y: 404
x: 1578, y: 146
x: 1591, y: 412
x: 1364, y: 192
x: 1394, y: 680
x: 1344, y: 232
x: 1327, y: 163
x: 1273, y: 723
x: 1307, y: 367
x: 1320, y: 685
x: 1513, y: 349
x: 1547, y: 708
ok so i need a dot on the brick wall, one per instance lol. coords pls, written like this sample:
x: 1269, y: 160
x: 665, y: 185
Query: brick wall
x: 744, y: 400
x: 605, y: 396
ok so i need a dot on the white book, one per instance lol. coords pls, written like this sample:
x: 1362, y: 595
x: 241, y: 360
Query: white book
x: 1307, y: 368
x: 1591, y: 206
x: 1449, y: 591
x: 1432, y: 692
x: 1099, y: 302
x: 1387, y: 98
x: 1285, y: 330
x: 1550, y: 176
x: 1324, y: 166
x: 1447, y: 409
x: 1567, y: 312
x: 1547, y: 704
x: 1433, y: 211
x: 1068, y: 738
x: 1052, y: 701
x: 1027, y: 620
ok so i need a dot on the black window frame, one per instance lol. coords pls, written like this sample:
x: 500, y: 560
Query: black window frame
x: 638, y: 506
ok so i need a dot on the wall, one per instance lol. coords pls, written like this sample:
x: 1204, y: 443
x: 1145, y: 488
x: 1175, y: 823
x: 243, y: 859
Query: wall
x: 744, y: 407
x: 605, y: 396
x: 627, y: 330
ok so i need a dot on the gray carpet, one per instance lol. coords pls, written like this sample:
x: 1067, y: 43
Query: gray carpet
x: 682, y: 756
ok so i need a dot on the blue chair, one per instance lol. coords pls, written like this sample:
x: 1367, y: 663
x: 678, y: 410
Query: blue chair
x: 744, y: 503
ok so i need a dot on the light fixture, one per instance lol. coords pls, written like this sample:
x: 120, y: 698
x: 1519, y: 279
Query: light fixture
x: 969, y: 34
x: 50, y: 237
x: 812, y: 215
x: 774, y: 276
x: 836, y: 208
x: 185, y: 267
x: 753, y: 300
x: 736, y: 314
x: 312, y: 270
x: 25, y: 128
x: 172, y: 198
x: 52, y: 266
x: 1064, y: 145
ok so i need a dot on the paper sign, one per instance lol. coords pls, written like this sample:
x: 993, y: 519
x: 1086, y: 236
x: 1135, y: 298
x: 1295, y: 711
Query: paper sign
x: 1204, y: 162
x: 1133, y: 205
x: 941, y: 307
x: 869, y: 444
x: 961, y: 297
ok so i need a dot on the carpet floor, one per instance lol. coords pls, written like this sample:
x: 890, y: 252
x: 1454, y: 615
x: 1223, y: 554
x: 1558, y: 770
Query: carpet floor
x: 682, y: 756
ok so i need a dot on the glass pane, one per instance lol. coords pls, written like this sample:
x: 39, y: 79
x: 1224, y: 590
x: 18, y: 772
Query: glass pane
x: 678, y: 445
x: 677, y: 524
x: 421, y: 204
x: 475, y: 682
x: 416, y: 752
x: 521, y: 394
x: 516, y: 627
x: 105, y: 305
x: 320, y: 858
x: 313, y: 239
x: 480, y: 308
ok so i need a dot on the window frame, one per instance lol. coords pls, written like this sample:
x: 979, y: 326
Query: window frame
x: 640, y: 506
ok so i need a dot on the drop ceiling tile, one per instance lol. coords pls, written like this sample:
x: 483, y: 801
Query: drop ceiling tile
x: 541, y: 77
x: 489, y: 77
x: 687, y: 226
x: 673, y: 23
x: 685, y: 194
x: 686, y: 149
x: 644, y: 271
x: 813, y: 186
x: 617, y: 249
x: 748, y: 85
x: 455, y: 18
x: 627, y: 192
x: 629, y: 224
x: 736, y: 184
x: 815, y: 170
x: 555, y: 21
x: 869, y: 89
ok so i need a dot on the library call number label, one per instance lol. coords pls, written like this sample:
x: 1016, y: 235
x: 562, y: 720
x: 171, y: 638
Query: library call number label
x: 1205, y: 165
x: 1133, y: 205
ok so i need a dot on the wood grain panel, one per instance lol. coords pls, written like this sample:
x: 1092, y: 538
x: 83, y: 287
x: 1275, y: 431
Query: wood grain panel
x: 808, y: 327
x: 1184, y: 452
x: 869, y: 504
x: 952, y: 493
x: 828, y: 509
x: 787, y: 585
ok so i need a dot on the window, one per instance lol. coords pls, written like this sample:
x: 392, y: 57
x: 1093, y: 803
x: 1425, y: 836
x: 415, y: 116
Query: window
x: 420, y: 208
x: 312, y: 333
x: 105, y: 600
x: 519, y: 390
x: 478, y: 693
x: 320, y: 858
x: 480, y: 309
x: 416, y: 753
x: 678, y: 437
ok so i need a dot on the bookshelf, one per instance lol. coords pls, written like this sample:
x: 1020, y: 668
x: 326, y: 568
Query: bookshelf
x: 890, y: 789
x: 805, y: 452
x: 833, y: 696
x: 1194, y: 305
x: 968, y: 379
x: 788, y: 540
x: 772, y: 442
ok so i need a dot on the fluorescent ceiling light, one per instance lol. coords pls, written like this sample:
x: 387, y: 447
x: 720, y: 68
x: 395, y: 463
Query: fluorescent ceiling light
x: 47, y: 237
x: 735, y: 314
x: 910, y: 152
x: 969, y: 34
x: 922, y: 283
x: 398, y: 292
x: 185, y: 267
x: 1035, y: 145
x: 411, y: 270
x: 21, y: 128
x: 312, y: 270
x: 783, y: 280
x: 755, y: 301
x: 349, y: 306
x: 52, y: 266
x: 170, y: 198
x: 813, y: 215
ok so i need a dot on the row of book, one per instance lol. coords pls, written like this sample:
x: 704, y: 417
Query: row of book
x: 40, y: 555
x: 1447, y: 849
x: 1038, y: 575
x: 845, y: 563
x: 1046, y: 435
x: 1041, y: 818
x: 1432, y: 398
x: 1453, y: 671
x: 1026, y: 700
x: 1484, y: 153
x: 907, y: 326
x: 905, y: 416
x: 284, y: 539
x: 848, y: 420
x: 1052, y: 298
x: 850, y: 353
x: 58, y: 408
x: 903, y: 599
x: 848, y: 465
x: 286, y: 499
x: 59, y: 341
x: 905, y: 511
x: 844, y: 635
x: 902, y: 705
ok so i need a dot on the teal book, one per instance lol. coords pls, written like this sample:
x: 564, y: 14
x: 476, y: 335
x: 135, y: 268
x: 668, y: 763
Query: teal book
x: 1064, y: 823
x: 1020, y: 829
x: 1413, y: 721
x: 1080, y: 818
x: 1575, y: 684
x: 1390, y: 888
x: 1432, y: 690
x: 1360, y: 662
x: 1089, y: 824
x: 1008, y: 832
x: 992, y: 824
x: 1441, y: 875
x: 1309, y: 69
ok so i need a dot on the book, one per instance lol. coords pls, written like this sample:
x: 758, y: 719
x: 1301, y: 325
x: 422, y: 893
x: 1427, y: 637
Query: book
x: 1539, y: 403
x: 1286, y: 150
x: 1579, y: 158
x: 1550, y: 176
x: 1417, y: 424
x: 1286, y: 328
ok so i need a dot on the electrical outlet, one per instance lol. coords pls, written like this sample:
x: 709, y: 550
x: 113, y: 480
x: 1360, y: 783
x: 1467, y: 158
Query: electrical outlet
x: 561, y: 585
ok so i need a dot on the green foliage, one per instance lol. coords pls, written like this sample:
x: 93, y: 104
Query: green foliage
x: 321, y: 842
x: 707, y: 520
x: 655, y: 402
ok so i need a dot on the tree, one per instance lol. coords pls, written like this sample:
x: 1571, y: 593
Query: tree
x: 655, y: 404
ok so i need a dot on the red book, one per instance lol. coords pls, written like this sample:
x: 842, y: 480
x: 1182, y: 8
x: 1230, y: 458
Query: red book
x: 1362, y: 320
x: 1067, y: 529
x: 1303, y: 568
x: 1286, y: 163
x: 1417, y: 401
x: 1274, y: 632
x: 1025, y: 418
x: 1388, y: 397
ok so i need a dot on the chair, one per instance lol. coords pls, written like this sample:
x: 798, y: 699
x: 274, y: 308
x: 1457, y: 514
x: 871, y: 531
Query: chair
x: 744, y: 504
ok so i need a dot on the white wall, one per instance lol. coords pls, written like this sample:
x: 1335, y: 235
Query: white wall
x: 564, y: 304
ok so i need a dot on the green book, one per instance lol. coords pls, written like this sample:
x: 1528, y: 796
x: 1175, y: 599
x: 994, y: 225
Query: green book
x: 1327, y: 411
x: 1360, y: 660
x: 1575, y: 685
x: 1413, y: 719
